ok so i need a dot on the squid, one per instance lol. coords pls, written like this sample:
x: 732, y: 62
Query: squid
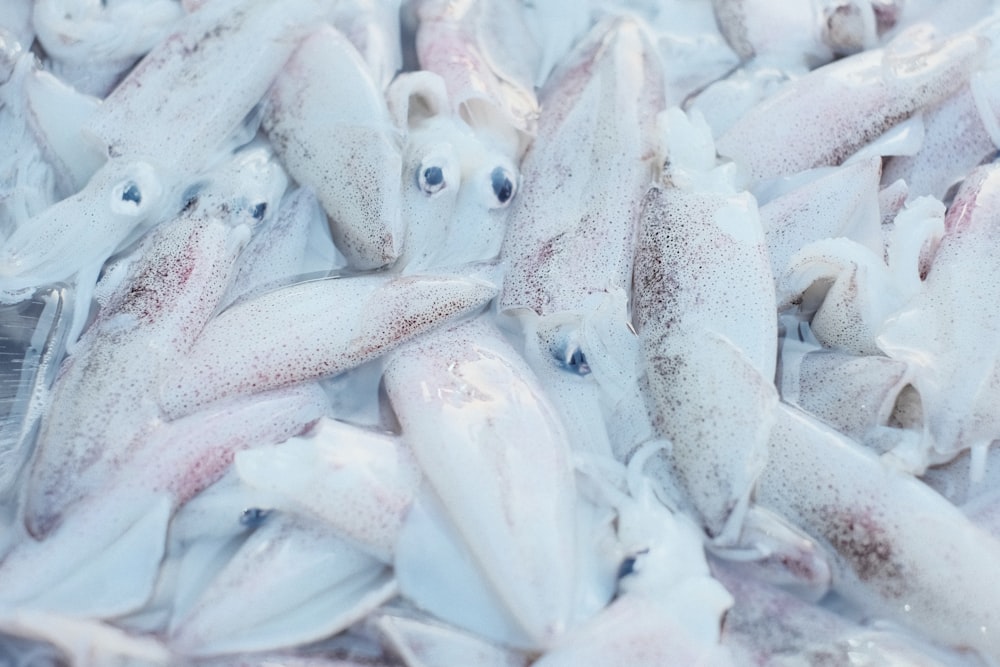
x: 806, y: 34
x: 568, y: 271
x: 867, y: 398
x: 457, y: 186
x: 291, y: 582
x: 707, y: 332
x: 52, y: 246
x: 93, y: 44
x: 348, y: 152
x: 844, y: 202
x: 422, y: 643
x: 667, y: 608
x: 849, y: 291
x: 373, y: 27
x: 224, y: 58
x: 359, y: 482
x: 377, y: 314
x: 588, y: 179
x: 279, y: 248
x: 861, y: 96
x: 954, y: 366
x: 487, y: 58
x: 960, y: 134
x: 769, y: 627
x: 505, y: 563
x: 892, y: 536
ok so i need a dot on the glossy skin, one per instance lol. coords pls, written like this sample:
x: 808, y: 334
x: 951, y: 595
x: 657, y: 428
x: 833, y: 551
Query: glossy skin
x: 82, y: 231
x: 486, y: 56
x: 587, y: 169
x: 289, y: 572
x: 479, y: 426
x: 93, y: 44
x: 223, y: 59
x: 854, y: 394
x: 707, y: 334
x: 843, y: 202
x: 360, y: 482
x: 378, y: 313
x: 373, y: 27
x: 955, y: 369
x: 571, y: 237
x: 835, y: 110
x: 348, y: 153
x: 891, y: 534
x: 956, y: 141
x: 457, y: 185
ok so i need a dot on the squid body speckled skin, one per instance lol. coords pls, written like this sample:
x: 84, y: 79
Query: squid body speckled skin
x: 828, y: 114
x: 379, y: 312
x: 328, y: 121
x: 892, y: 535
x: 223, y: 57
x: 588, y: 168
x: 572, y: 229
x: 705, y: 312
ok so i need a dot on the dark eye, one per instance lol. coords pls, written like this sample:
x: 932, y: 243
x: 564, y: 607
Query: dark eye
x: 258, y: 211
x: 253, y: 517
x: 131, y: 193
x: 503, y: 185
x: 574, y: 361
x: 627, y: 567
x: 431, y: 179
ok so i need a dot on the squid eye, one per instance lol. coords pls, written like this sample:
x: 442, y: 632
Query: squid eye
x: 253, y: 517
x: 627, y: 567
x: 431, y: 179
x: 257, y: 212
x: 131, y: 193
x: 573, y: 360
x: 503, y: 186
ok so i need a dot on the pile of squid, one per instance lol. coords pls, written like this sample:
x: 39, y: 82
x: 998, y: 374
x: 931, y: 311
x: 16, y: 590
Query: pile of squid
x: 440, y: 333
